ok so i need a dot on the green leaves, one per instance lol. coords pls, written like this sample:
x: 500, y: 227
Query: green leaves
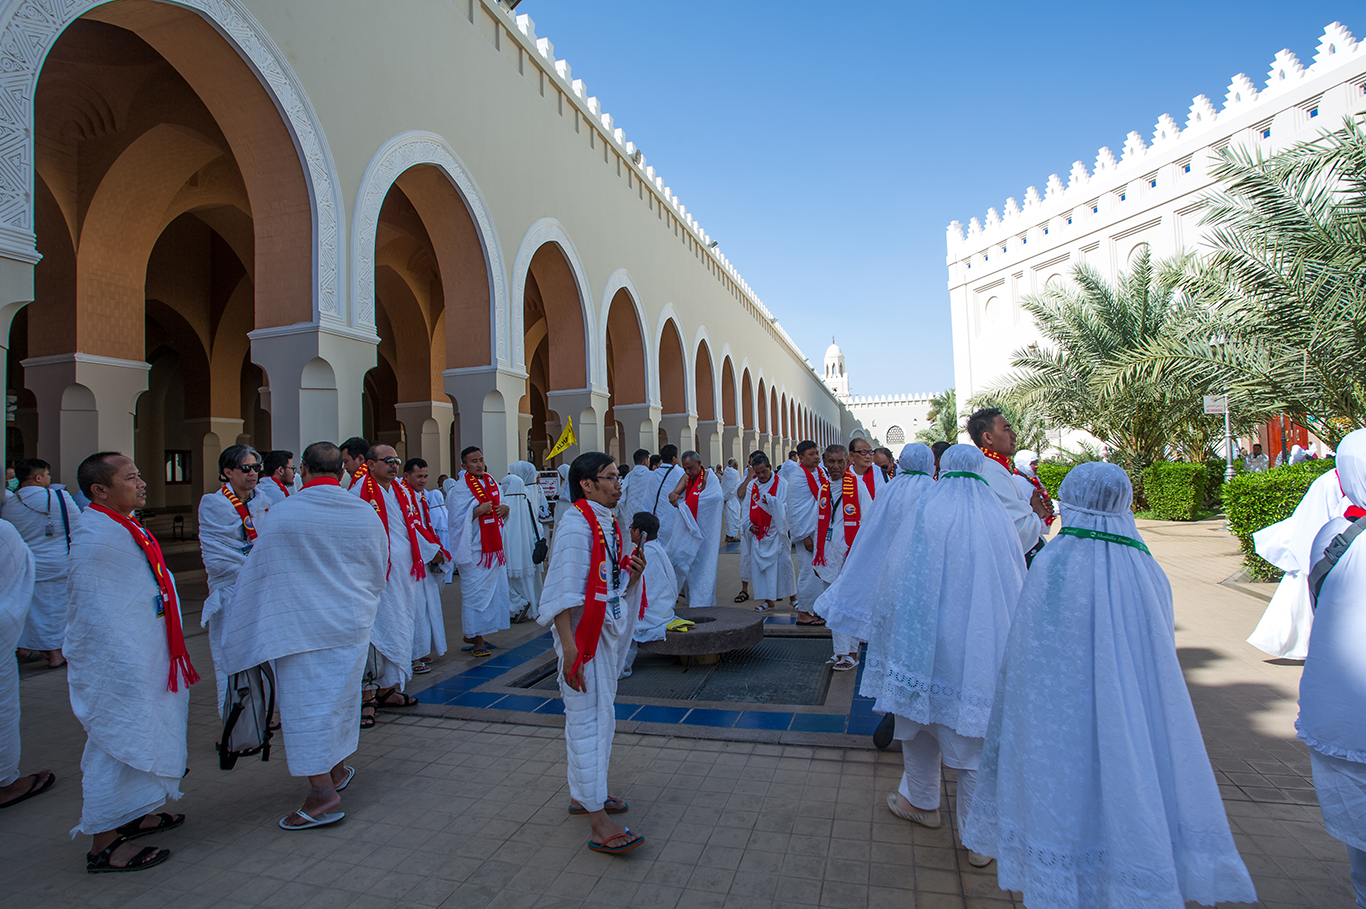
x: 943, y: 417
x: 1253, y: 501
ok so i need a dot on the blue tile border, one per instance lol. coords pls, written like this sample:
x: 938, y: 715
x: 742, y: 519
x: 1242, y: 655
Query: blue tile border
x: 655, y: 714
x: 818, y: 722
x: 706, y: 717
x: 763, y: 719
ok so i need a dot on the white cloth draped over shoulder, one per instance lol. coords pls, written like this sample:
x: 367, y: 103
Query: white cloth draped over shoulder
x: 519, y: 541
x: 770, y: 558
x: 562, y: 495
x: 118, y: 663
x: 392, y: 633
x: 1285, y: 627
x: 1028, y: 525
x: 660, y: 592
x: 484, y: 595
x: 17, y: 574
x: 730, y: 485
x: 34, y: 511
x: 654, y: 497
x: 223, y: 547
x: 429, y: 624
x: 948, y: 591
x: 1094, y: 787
x: 695, y: 546
x: 848, y: 605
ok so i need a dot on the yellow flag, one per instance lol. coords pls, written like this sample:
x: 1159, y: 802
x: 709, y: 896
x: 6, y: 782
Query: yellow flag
x: 566, y: 438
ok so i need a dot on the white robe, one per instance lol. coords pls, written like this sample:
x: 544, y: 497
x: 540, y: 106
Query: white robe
x: 771, y: 557
x: 223, y: 547
x: 306, y: 599
x: 1286, y: 624
x: 653, y: 496
x: 1028, y: 525
x: 429, y: 622
x: 746, y: 560
x: 392, y: 634
x: 695, y: 547
x: 16, y: 590
x: 484, y: 595
x: 119, y: 662
x: 270, y: 493
x: 660, y: 590
x: 590, y: 716
x: 730, y: 484
x: 521, y: 529
x: 45, y: 624
x: 803, y: 520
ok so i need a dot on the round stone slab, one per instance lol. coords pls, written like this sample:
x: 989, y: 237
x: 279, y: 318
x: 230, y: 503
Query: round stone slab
x: 719, y: 629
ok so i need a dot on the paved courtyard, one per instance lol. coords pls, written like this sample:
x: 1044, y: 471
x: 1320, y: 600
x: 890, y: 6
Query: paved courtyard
x: 464, y: 813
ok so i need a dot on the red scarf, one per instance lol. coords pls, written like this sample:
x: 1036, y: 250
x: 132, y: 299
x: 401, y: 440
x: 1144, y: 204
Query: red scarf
x: 693, y: 495
x: 242, y: 512
x: 424, y: 525
x: 411, y: 519
x: 170, y: 605
x: 490, y: 534
x: 370, y: 491
x: 1352, y: 513
x: 758, y: 517
x: 853, y: 511
x: 589, y: 632
x: 323, y: 481
x: 1009, y: 465
x: 283, y: 487
x: 361, y: 473
x: 820, y: 491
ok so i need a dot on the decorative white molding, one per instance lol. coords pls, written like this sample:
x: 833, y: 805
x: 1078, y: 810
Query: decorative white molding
x: 29, y: 28
x: 92, y: 359
x: 406, y: 150
x: 367, y: 336
x: 549, y: 230
x: 621, y: 280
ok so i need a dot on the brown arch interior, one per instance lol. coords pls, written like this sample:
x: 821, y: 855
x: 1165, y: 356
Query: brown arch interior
x: 704, y: 380
x: 672, y: 375
x: 625, y: 352
x: 728, y: 392
x: 763, y: 408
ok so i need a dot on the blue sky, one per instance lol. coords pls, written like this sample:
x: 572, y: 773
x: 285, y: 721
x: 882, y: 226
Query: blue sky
x: 827, y: 145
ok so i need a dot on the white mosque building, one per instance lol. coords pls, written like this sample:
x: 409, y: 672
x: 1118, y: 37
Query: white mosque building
x: 890, y: 420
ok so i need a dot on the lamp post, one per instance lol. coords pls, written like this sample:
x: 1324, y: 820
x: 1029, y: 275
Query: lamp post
x: 1216, y: 346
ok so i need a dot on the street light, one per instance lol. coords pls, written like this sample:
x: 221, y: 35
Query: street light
x: 1216, y: 346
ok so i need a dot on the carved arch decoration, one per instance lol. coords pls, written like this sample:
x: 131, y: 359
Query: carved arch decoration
x: 396, y: 156
x: 546, y: 230
x: 28, y: 30
x: 621, y: 280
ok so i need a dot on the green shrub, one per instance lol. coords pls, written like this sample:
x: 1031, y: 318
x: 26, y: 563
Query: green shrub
x: 1175, y: 491
x: 1214, y: 481
x: 1256, y: 500
x: 1051, y: 474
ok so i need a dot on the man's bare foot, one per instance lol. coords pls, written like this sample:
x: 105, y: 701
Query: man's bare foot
x: 55, y: 660
x: 609, y: 833
x: 321, y: 800
x: 26, y: 787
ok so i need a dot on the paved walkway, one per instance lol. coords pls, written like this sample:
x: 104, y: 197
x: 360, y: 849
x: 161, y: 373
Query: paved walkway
x: 466, y: 814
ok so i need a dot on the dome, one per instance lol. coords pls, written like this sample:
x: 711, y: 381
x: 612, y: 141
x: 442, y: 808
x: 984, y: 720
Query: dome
x: 833, y: 350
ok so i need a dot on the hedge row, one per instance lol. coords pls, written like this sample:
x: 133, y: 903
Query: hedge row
x: 1051, y: 476
x: 1256, y: 500
x: 1175, y: 491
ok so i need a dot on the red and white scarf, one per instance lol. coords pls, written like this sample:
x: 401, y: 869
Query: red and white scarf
x: 819, y: 484
x: 170, y: 605
x: 485, y: 490
x: 693, y: 494
x: 759, y: 518
x: 411, y: 520
x: 424, y: 524
x: 242, y: 512
x: 853, y: 509
x: 283, y: 487
x: 362, y: 472
x: 372, y: 492
x: 589, y: 632
x: 1009, y: 465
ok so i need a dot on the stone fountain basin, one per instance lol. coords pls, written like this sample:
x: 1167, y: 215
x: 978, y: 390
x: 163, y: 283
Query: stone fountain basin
x: 719, y: 629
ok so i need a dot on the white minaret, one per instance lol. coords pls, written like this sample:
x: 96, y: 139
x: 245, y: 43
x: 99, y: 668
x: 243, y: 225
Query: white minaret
x: 835, y: 375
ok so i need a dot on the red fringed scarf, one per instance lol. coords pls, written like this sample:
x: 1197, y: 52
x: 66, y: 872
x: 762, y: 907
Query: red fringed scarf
x: 323, y: 481
x: 170, y: 605
x: 363, y: 472
x: 758, y: 517
x: 424, y: 525
x: 411, y: 519
x: 242, y: 512
x: 485, y: 490
x: 283, y: 487
x: 853, y: 510
x: 589, y: 632
x: 693, y: 495
x: 370, y: 491
x: 1009, y: 465
x: 819, y: 484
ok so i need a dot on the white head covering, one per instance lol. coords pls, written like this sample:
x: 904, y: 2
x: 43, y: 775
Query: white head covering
x: 448, y: 484
x: 1298, y: 454
x: 1093, y: 757
x: 847, y: 605
x: 518, y: 537
x: 526, y: 472
x: 1024, y: 463
x: 563, y: 471
x: 948, y: 589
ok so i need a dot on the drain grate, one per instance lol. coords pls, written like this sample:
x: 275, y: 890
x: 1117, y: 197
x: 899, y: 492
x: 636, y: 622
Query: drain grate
x: 774, y: 671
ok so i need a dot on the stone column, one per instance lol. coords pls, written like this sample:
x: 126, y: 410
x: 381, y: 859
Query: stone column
x: 524, y: 421
x: 749, y: 441
x: 640, y: 424
x: 85, y: 404
x: 681, y: 428
x: 486, y: 400
x: 763, y: 443
x: 427, y: 426
x: 316, y: 375
x: 586, y: 408
x: 214, y: 434
x: 730, y: 444
x: 16, y: 291
x: 709, y: 441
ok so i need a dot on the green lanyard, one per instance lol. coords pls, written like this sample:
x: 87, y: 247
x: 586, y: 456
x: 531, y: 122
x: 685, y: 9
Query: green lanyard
x: 962, y: 473
x: 1103, y: 536
x: 914, y: 473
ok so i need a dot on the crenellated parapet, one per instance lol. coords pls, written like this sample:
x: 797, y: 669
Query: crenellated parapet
x: 1337, y: 50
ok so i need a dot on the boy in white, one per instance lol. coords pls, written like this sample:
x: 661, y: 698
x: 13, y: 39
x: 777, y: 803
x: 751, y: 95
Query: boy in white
x: 589, y: 569
x: 658, y: 589
x: 45, y: 518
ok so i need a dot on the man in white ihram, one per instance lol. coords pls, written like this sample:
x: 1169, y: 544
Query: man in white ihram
x: 770, y: 551
x: 16, y: 591
x: 730, y: 485
x: 812, y: 500
x: 476, y: 514
x: 652, y: 494
x: 306, y: 600
x: 45, y: 518
x: 658, y: 588
x: 695, y: 547
x: 429, y: 623
x: 992, y: 432
x: 637, y: 475
x: 590, y: 567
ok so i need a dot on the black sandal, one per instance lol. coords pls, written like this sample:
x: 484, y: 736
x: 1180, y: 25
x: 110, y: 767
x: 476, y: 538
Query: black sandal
x: 367, y: 722
x: 742, y: 596
x: 132, y: 830
x: 383, y: 700
x: 38, y: 787
x: 99, y: 864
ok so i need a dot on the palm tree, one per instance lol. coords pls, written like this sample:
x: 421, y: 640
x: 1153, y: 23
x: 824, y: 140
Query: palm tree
x: 943, y: 417
x: 1284, y: 289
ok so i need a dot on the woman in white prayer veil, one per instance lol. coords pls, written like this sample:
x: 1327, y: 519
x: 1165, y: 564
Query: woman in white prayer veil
x: 526, y: 472
x: 847, y: 604
x: 562, y: 505
x: 519, y: 539
x: 1095, y: 789
x: 1298, y: 454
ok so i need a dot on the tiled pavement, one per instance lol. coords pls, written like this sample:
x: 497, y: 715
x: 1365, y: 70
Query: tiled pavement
x: 461, y: 813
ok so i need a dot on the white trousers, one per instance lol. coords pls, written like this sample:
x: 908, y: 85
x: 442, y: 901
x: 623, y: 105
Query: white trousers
x: 590, y: 719
x: 922, y: 753
x: 429, y: 623
x: 45, y: 624
x: 318, y: 694
x: 114, y: 793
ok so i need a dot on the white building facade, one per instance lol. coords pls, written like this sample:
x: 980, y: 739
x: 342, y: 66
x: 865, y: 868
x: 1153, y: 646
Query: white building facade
x: 1149, y: 196
x: 890, y: 420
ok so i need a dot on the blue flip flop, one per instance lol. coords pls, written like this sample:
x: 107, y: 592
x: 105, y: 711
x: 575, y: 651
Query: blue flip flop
x: 468, y: 647
x: 613, y: 850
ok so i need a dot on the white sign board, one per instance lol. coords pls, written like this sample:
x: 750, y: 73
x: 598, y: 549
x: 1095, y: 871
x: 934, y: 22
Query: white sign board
x: 1216, y: 404
x: 549, y: 481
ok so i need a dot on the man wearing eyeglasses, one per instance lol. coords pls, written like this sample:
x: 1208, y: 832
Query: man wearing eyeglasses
x: 229, y: 519
x: 476, y: 513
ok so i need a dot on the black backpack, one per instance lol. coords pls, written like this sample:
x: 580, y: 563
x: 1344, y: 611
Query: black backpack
x: 247, y: 708
x: 1337, y: 548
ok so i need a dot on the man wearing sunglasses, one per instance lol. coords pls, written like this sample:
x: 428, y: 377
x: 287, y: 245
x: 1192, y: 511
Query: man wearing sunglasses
x: 229, y: 519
